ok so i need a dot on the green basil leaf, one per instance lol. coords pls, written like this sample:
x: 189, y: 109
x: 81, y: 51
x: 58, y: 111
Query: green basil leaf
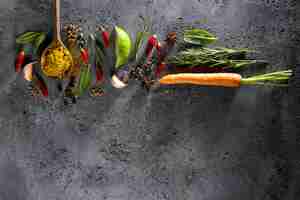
x: 39, y: 40
x: 27, y: 37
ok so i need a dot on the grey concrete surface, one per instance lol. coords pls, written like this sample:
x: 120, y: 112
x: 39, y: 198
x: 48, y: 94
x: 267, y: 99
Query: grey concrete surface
x: 187, y: 144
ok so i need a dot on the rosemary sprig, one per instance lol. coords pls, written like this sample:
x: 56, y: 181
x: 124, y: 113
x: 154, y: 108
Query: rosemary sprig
x: 212, y: 57
x: 199, y: 37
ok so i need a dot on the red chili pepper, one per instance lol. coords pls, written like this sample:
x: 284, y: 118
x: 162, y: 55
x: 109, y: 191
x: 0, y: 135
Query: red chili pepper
x: 158, y: 46
x: 152, y: 42
x: 43, y: 88
x: 105, y: 38
x: 158, y: 49
x: 84, y: 55
x: 159, y: 69
x: 41, y: 85
x: 20, y: 59
x: 99, y: 74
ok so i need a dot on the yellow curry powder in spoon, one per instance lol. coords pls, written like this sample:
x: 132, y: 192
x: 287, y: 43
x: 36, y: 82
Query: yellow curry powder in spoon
x: 56, y: 61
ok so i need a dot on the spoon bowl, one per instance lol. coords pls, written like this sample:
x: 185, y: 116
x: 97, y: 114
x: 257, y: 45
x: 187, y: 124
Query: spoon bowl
x: 56, y: 60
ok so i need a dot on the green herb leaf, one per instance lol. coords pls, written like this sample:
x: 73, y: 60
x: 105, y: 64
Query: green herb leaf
x: 199, y: 37
x: 39, y: 40
x: 235, y: 64
x: 140, y: 36
x: 85, y: 79
x: 100, y: 56
x: 40, y: 83
x: 99, y: 42
x: 27, y: 37
x: 91, y: 48
x: 213, y: 57
x: 122, y: 47
x: 100, y: 49
x: 280, y: 78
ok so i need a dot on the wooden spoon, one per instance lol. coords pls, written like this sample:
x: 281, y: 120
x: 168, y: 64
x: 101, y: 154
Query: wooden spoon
x: 56, y: 59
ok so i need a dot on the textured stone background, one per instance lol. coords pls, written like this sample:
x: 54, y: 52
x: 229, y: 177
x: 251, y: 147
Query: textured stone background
x: 189, y: 144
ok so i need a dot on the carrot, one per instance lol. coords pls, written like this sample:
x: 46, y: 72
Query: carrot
x: 278, y: 78
x: 210, y: 79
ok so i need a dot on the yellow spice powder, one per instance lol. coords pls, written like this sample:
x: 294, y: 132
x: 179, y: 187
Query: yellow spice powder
x: 56, y: 61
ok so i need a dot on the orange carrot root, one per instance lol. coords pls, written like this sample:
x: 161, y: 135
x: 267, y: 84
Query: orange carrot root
x: 211, y: 79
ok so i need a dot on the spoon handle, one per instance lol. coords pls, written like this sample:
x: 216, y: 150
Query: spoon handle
x: 56, y: 19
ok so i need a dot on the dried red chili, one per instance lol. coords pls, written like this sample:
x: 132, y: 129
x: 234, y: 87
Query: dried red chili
x: 41, y: 85
x: 105, y: 37
x: 152, y: 42
x: 99, y: 74
x: 84, y: 55
x: 159, y: 69
x: 20, y: 60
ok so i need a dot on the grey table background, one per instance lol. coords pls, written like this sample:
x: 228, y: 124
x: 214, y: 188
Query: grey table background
x: 193, y: 144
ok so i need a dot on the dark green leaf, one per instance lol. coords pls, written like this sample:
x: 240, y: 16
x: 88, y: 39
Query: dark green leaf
x: 199, y: 37
x: 27, y: 37
x: 85, y: 79
x: 100, y: 56
x: 99, y: 42
x: 91, y: 48
x: 140, y: 36
x: 39, y: 40
x: 241, y: 63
